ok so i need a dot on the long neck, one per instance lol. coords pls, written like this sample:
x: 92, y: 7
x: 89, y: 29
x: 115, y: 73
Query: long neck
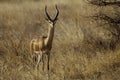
x: 50, y: 35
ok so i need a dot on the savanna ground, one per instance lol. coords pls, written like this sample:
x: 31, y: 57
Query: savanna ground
x: 85, y: 46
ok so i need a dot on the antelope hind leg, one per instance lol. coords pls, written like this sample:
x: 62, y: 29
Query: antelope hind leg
x: 37, y: 59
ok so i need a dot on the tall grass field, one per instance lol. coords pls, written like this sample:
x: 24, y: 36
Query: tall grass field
x: 86, y: 44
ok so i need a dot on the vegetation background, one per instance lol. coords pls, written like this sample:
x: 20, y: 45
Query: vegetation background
x: 85, y: 46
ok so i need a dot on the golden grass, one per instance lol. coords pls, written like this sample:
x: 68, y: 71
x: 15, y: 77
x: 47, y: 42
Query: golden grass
x: 75, y: 54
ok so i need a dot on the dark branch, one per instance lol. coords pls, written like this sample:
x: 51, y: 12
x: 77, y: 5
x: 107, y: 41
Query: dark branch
x: 107, y: 18
x: 104, y: 2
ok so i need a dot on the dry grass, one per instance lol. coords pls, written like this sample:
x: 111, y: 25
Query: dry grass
x: 81, y: 48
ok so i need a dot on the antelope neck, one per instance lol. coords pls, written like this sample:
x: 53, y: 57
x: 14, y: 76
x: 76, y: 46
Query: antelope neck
x: 50, y: 34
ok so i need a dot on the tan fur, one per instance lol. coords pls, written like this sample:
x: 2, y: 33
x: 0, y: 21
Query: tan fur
x: 37, y: 44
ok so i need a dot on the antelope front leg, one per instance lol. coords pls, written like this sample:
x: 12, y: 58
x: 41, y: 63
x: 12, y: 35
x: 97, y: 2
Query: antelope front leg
x: 48, y: 60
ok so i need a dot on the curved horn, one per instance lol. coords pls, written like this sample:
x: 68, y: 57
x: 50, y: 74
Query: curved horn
x: 57, y: 13
x: 48, y: 17
x: 47, y: 14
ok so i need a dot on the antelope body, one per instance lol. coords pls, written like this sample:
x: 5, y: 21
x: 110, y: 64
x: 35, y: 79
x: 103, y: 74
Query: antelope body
x: 41, y: 46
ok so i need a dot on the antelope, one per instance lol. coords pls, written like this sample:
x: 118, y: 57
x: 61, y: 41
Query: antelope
x: 41, y: 46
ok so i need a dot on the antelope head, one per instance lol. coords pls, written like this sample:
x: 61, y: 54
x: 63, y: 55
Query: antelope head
x: 49, y: 19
